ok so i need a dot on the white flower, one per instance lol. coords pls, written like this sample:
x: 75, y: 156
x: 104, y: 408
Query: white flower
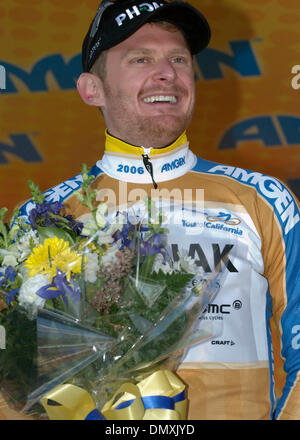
x: 10, y: 260
x: 110, y: 255
x: 89, y: 228
x: 91, y: 267
x: 27, y: 294
x: 186, y: 264
x: 100, y: 213
x: 106, y: 236
x: 26, y: 243
x: 159, y: 264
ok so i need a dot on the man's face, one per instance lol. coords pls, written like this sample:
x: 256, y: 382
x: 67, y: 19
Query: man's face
x: 149, y: 89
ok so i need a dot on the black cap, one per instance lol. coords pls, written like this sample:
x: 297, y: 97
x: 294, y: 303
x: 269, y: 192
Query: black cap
x: 120, y: 19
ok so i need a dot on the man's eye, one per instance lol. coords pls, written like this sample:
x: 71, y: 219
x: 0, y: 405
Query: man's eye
x: 178, y: 60
x: 141, y: 60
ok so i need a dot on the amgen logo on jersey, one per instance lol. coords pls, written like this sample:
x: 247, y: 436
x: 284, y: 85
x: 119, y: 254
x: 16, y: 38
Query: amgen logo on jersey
x: 270, y: 188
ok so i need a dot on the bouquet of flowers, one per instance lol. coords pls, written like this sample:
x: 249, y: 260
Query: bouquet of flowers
x: 95, y: 309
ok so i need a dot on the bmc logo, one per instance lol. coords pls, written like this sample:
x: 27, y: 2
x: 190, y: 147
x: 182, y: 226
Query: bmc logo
x: 240, y: 58
x: 272, y: 131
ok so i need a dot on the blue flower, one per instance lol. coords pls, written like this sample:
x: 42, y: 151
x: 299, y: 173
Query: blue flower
x: 130, y: 234
x: 39, y: 216
x: 10, y: 296
x: 154, y: 245
x: 47, y: 214
x: 133, y: 235
x: 6, y: 278
x: 9, y: 275
x: 60, y: 286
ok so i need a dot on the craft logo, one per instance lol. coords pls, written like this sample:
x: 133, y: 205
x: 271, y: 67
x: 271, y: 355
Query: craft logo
x: 2, y: 338
x: 2, y: 78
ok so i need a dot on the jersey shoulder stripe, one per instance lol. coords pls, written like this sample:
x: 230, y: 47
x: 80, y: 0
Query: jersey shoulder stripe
x: 269, y: 188
x: 61, y: 191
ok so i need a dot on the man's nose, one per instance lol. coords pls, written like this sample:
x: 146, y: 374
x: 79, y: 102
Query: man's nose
x: 164, y: 70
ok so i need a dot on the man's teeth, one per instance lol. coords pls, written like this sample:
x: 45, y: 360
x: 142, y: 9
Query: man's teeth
x: 171, y: 99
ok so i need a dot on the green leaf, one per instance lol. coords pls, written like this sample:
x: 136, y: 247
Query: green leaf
x: 3, y: 212
x: 53, y: 231
x: 37, y: 196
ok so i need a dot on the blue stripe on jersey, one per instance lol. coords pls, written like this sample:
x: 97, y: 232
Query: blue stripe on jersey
x: 60, y: 192
x: 271, y: 356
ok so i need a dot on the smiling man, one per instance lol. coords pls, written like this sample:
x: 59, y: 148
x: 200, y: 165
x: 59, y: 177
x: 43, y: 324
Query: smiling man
x: 138, y: 69
x: 149, y: 99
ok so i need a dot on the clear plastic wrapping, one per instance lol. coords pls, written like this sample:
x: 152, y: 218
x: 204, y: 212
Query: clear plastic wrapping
x: 100, y: 305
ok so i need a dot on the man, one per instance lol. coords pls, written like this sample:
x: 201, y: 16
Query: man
x: 138, y: 69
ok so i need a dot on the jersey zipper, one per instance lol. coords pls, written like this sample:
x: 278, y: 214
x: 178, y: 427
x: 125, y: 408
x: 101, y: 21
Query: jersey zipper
x: 148, y: 165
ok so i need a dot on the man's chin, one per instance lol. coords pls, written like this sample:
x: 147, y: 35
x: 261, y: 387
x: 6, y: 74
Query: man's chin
x: 154, y: 132
x: 159, y: 138
x: 166, y: 128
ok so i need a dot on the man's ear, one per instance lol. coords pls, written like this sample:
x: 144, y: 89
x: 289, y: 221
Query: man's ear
x: 90, y: 88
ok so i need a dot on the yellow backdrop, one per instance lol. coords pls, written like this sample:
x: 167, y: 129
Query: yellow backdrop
x: 248, y: 108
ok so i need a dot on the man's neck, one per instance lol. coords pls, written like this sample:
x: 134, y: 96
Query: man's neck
x: 115, y: 144
x: 145, y: 144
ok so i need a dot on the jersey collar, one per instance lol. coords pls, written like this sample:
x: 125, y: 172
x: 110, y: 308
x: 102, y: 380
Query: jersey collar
x: 123, y: 161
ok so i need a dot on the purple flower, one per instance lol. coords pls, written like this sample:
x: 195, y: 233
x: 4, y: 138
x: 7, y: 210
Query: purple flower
x: 10, y: 296
x: 39, y: 216
x: 47, y: 214
x: 130, y: 234
x: 133, y: 235
x: 60, y: 286
x: 9, y: 275
x: 154, y: 245
x: 74, y: 225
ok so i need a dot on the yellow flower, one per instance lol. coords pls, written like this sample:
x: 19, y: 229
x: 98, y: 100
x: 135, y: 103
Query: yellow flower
x: 55, y: 253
